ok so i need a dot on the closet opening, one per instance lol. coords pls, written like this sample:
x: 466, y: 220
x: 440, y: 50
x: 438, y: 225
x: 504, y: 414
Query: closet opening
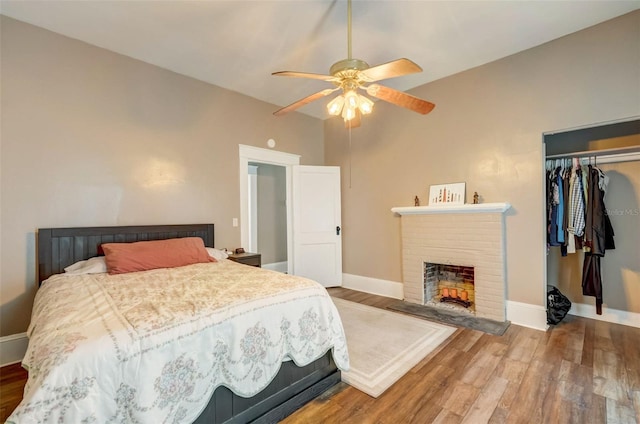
x: 592, y: 198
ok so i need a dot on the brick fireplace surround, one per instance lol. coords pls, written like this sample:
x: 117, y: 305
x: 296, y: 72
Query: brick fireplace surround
x: 469, y: 235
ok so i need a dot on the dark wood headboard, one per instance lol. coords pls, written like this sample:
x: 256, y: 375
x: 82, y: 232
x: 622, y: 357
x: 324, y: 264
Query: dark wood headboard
x: 61, y: 247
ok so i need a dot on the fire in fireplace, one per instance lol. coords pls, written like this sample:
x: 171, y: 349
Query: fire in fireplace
x: 449, y: 285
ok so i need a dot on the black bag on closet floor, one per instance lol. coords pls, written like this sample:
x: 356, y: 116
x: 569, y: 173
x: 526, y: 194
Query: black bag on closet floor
x: 557, y: 305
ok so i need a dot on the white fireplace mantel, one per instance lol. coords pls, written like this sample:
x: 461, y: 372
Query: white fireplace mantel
x: 440, y: 209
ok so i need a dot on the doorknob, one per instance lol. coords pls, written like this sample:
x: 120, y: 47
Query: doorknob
x: 338, y: 230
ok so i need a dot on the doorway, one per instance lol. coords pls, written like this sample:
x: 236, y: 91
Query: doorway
x: 258, y: 156
x: 267, y: 206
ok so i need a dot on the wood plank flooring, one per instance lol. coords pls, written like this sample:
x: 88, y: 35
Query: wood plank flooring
x: 581, y: 371
x: 12, y: 381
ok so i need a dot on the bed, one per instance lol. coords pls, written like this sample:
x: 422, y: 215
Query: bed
x: 267, y: 367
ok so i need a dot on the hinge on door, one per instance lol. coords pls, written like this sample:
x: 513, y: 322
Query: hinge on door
x: 338, y: 230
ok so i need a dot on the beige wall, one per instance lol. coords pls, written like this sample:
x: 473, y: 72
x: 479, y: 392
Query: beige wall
x: 272, y: 213
x: 486, y: 130
x: 90, y: 137
x: 621, y: 266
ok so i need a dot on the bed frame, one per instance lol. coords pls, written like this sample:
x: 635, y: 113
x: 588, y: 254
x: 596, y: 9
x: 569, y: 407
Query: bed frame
x: 292, y: 387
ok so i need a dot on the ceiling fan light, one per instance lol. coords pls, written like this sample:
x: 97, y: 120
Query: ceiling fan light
x: 348, y: 113
x: 365, y: 105
x: 351, y: 99
x: 334, y: 107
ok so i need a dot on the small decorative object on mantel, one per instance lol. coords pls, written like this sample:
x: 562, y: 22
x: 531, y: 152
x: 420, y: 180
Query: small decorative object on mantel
x: 476, y: 198
x: 416, y: 201
x: 447, y: 194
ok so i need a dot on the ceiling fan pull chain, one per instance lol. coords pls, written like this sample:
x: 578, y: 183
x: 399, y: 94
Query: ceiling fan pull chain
x: 349, y: 154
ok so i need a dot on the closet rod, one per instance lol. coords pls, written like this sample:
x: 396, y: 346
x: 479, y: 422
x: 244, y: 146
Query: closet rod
x: 624, y: 154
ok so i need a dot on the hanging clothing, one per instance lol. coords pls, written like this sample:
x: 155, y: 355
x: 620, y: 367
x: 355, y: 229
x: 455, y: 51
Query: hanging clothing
x: 552, y: 208
x: 577, y: 203
x: 574, y: 207
x: 598, y: 229
x: 598, y: 237
x: 592, y: 279
x: 566, y: 206
x: 560, y: 207
x: 585, y: 187
x: 577, y: 219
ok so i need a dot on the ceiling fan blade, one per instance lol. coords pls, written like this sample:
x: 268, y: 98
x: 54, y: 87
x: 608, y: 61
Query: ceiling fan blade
x: 306, y: 100
x: 400, y: 98
x: 304, y: 75
x: 395, y: 68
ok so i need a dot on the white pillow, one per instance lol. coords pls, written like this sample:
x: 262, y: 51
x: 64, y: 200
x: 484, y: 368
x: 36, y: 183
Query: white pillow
x: 217, y: 253
x: 90, y: 266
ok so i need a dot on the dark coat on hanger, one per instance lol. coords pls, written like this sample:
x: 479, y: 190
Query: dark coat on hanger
x: 598, y: 238
x: 598, y: 229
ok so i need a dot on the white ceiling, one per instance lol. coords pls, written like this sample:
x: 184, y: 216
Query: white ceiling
x: 238, y: 44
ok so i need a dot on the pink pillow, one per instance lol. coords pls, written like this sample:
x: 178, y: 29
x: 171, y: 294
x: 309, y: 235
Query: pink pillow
x: 145, y: 255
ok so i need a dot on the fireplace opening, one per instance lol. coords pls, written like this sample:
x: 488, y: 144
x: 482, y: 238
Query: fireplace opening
x: 449, y: 286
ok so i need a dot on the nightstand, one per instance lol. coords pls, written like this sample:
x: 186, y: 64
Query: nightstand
x: 252, y: 259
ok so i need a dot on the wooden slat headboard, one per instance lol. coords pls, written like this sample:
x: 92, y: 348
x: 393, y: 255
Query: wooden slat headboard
x: 61, y: 247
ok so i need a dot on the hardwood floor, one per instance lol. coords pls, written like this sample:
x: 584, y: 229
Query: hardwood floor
x: 12, y: 380
x: 581, y: 371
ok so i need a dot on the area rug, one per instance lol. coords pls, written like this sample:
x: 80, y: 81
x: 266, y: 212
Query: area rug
x: 384, y: 345
x: 496, y: 328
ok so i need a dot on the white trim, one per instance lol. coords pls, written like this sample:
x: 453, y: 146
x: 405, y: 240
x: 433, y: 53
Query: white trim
x: 272, y: 157
x: 523, y: 314
x: 527, y: 315
x: 370, y: 285
x: 466, y: 208
x: 13, y: 348
x: 543, y: 234
x: 277, y: 266
x: 632, y: 319
x: 252, y: 208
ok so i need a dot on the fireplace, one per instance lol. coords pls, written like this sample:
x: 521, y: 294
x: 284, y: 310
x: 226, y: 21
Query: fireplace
x: 449, y: 286
x: 468, y: 236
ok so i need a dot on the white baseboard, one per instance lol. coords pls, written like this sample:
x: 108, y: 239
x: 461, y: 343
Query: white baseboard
x: 370, y: 285
x: 13, y: 348
x: 276, y: 266
x: 616, y: 316
x: 523, y: 314
x: 527, y: 315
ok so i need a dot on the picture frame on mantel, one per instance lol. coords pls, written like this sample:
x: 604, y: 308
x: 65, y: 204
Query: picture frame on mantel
x: 447, y: 194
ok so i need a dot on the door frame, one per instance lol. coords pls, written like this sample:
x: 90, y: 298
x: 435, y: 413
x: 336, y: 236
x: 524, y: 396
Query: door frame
x: 252, y: 209
x: 272, y: 157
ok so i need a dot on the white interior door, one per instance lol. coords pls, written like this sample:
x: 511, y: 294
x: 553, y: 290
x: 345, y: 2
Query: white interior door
x: 317, y: 236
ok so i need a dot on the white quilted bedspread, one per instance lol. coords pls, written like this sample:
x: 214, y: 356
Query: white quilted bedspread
x: 151, y: 346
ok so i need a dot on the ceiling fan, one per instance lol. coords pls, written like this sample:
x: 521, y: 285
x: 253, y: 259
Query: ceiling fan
x: 350, y: 75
